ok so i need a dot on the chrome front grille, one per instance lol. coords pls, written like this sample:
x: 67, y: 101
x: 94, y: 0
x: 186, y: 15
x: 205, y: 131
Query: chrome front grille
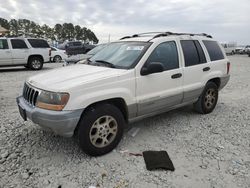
x: 30, y: 94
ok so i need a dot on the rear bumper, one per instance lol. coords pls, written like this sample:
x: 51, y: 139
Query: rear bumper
x: 223, y: 81
x: 62, y: 123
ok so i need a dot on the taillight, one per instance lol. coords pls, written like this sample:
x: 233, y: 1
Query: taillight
x: 50, y: 52
x: 228, y: 67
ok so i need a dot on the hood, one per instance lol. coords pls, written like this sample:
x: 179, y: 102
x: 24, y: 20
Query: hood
x: 62, y: 79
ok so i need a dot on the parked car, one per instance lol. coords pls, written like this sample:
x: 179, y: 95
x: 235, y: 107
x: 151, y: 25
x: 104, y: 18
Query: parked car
x: 75, y: 47
x: 245, y: 50
x: 57, y: 55
x: 81, y: 57
x: 28, y: 52
x: 238, y: 49
x: 134, y: 78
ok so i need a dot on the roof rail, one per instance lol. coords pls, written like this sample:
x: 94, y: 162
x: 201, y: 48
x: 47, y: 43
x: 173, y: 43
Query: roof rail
x: 140, y: 35
x: 190, y: 34
x: 164, y: 34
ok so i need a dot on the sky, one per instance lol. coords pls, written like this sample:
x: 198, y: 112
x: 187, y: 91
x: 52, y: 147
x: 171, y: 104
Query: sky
x: 225, y: 20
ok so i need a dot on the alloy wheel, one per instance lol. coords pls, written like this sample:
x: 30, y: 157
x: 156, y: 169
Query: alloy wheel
x: 103, y: 131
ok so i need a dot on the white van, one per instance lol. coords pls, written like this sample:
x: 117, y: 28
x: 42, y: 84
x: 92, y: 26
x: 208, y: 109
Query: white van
x: 229, y: 47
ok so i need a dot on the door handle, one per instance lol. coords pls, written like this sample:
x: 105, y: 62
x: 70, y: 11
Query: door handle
x: 206, y: 69
x: 178, y: 75
x: 7, y: 52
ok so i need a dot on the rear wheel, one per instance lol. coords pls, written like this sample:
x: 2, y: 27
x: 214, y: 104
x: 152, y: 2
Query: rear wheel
x: 208, y: 99
x: 35, y: 63
x: 57, y: 59
x: 100, y: 129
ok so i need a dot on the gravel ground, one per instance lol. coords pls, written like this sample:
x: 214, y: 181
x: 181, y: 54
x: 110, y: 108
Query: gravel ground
x: 207, y: 150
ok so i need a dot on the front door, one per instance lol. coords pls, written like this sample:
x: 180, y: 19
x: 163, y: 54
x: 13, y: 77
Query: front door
x: 160, y: 91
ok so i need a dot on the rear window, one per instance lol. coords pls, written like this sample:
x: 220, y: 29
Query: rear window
x: 214, y: 50
x: 77, y: 43
x: 38, y: 43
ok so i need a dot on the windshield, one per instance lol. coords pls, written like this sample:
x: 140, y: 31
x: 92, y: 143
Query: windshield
x: 121, y: 54
x: 96, y: 49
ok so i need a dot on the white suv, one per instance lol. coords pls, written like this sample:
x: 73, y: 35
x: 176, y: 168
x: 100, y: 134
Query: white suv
x: 133, y: 78
x: 28, y: 52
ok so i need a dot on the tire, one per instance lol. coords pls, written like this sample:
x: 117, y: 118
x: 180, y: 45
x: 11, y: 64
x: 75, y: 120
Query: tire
x: 35, y: 63
x: 57, y: 59
x: 99, y: 123
x: 208, y: 99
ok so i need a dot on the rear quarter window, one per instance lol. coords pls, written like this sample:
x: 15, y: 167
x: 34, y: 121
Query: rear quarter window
x: 38, y: 43
x: 213, y: 50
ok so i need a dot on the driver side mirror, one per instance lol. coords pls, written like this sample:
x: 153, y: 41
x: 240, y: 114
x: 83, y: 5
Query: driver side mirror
x: 153, y: 67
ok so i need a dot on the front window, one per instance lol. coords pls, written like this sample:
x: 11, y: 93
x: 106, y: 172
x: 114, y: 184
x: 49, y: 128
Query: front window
x: 165, y: 53
x: 121, y: 54
x: 3, y: 44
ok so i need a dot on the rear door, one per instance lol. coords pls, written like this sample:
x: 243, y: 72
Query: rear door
x: 41, y: 47
x: 196, y: 69
x: 160, y: 91
x: 5, y: 53
x: 19, y: 51
x: 217, y: 59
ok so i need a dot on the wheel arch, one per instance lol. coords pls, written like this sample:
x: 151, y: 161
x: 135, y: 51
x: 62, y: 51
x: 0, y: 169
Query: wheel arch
x: 216, y: 80
x: 57, y: 55
x: 35, y: 55
x: 118, y: 102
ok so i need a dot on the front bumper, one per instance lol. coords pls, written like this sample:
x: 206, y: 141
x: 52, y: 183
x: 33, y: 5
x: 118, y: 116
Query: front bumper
x: 62, y: 123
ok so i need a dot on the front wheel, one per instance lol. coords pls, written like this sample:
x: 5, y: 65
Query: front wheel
x: 208, y: 99
x: 35, y: 63
x: 100, y: 129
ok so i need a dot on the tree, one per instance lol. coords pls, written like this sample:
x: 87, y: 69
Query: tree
x: 4, y: 23
x: 67, y: 31
x: 58, y: 31
x: 14, y: 27
x: 84, y: 34
x: 78, y: 32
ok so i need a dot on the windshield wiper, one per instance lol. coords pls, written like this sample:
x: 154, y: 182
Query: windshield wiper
x: 106, y: 63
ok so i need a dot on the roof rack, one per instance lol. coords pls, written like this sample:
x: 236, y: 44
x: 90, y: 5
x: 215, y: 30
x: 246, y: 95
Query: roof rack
x: 164, y: 34
x: 140, y: 35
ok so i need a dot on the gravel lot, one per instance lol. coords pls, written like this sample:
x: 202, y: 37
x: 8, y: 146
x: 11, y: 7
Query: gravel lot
x: 207, y: 150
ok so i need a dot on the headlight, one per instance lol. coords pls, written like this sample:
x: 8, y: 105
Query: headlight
x: 52, y: 101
